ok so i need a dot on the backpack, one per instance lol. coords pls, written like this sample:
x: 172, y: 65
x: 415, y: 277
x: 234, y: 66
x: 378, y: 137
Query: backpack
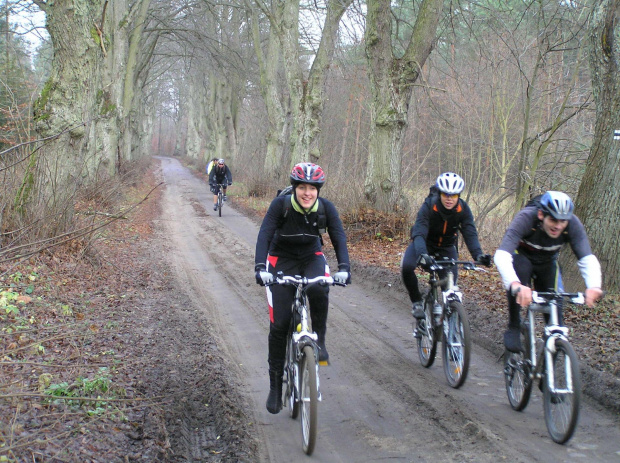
x: 534, y: 201
x: 321, y: 222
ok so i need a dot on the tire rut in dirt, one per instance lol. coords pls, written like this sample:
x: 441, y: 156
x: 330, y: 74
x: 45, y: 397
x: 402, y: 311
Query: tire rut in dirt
x: 204, y: 412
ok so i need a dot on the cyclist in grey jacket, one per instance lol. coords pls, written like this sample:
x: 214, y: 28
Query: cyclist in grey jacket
x: 529, y: 251
x: 290, y: 241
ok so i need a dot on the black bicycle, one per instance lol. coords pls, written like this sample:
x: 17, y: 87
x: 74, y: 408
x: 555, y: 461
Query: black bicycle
x: 551, y: 361
x: 445, y: 317
x: 301, y: 366
x: 220, y: 198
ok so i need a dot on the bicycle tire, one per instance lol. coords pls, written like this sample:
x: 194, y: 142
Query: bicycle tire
x: 562, y: 407
x: 517, y: 370
x: 219, y: 204
x: 290, y: 396
x: 309, y: 400
x: 456, y: 344
x: 427, y: 342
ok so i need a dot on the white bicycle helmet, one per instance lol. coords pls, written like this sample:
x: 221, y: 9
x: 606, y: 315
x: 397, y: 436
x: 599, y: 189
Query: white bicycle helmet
x: 557, y: 204
x: 450, y: 183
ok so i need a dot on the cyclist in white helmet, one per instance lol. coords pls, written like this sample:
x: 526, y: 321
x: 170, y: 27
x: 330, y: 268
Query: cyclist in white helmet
x: 529, y: 251
x: 220, y: 175
x: 435, y: 234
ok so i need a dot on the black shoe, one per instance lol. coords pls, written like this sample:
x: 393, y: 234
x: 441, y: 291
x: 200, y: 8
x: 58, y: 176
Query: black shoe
x: 215, y: 207
x: 323, y: 354
x: 418, y: 310
x: 512, y: 340
x: 225, y: 198
x: 274, y: 399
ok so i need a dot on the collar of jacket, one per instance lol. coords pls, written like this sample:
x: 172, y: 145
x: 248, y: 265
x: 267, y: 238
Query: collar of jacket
x: 301, y: 210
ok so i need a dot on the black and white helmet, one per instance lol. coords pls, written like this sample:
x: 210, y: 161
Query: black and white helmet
x: 557, y: 204
x: 450, y: 183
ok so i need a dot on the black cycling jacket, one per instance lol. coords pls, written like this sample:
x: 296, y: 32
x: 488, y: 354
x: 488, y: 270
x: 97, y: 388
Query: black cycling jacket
x: 296, y: 235
x: 220, y: 175
x: 438, y: 227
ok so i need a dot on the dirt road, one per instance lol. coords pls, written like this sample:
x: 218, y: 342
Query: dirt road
x: 378, y: 403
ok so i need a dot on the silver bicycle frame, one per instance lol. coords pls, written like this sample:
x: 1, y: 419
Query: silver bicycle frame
x: 553, y: 331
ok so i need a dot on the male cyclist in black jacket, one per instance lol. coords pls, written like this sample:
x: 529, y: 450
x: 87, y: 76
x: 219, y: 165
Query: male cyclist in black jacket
x: 529, y: 251
x: 435, y: 235
x: 289, y: 241
x: 220, y: 175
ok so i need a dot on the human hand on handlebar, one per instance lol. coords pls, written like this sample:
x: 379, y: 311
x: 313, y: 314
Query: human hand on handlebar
x: 426, y: 261
x: 342, y: 278
x: 593, y: 295
x: 484, y: 259
x: 263, y: 277
x: 522, y: 293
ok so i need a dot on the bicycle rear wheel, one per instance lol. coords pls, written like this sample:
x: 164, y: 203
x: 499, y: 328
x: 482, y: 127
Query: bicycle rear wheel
x: 517, y: 370
x: 561, y: 400
x: 456, y: 344
x: 309, y: 400
x: 427, y: 340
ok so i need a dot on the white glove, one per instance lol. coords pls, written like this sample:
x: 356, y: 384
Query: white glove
x: 266, y: 277
x: 341, y: 277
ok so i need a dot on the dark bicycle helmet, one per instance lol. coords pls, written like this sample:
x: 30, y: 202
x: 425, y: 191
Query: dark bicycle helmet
x: 557, y: 204
x: 450, y: 183
x: 307, y: 172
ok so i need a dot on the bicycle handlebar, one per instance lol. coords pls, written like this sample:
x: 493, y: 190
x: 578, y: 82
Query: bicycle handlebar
x: 544, y: 297
x: 467, y: 265
x: 299, y: 280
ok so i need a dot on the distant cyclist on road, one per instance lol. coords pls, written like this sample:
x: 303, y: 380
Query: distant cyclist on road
x: 529, y: 251
x: 220, y: 175
x: 290, y: 241
x: 435, y: 234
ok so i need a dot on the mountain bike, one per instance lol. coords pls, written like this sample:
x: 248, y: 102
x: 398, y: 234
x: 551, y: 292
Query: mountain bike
x: 445, y: 317
x: 301, y: 367
x: 220, y: 198
x: 551, y: 361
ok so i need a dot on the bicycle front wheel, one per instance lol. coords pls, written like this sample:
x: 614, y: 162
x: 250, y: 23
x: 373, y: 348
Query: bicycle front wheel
x: 309, y: 400
x: 562, y: 393
x: 291, y: 380
x: 220, y: 201
x: 427, y: 340
x: 517, y: 370
x: 456, y: 344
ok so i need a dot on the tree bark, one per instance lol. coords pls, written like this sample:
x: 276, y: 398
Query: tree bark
x: 598, y: 197
x: 392, y: 82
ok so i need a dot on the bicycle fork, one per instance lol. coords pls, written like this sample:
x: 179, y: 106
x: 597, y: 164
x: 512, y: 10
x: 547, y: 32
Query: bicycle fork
x: 300, y: 340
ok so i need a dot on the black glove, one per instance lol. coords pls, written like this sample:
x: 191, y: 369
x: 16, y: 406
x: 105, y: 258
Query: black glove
x: 263, y: 277
x: 426, y: 261
x: 484, y: 259
x: 229, y: 183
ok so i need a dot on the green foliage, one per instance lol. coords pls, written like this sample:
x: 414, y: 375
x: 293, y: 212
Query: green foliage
x: 7, y: 302
x: 40, y: 114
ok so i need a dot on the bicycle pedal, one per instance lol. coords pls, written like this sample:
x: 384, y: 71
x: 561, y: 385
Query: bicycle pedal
x: 324, y: 363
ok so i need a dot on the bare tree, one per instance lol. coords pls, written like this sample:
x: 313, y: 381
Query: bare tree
x: 392, y: 80
x: 599, y: 193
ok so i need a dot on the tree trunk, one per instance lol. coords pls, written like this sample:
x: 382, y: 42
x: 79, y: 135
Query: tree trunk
x: 306, y: 95
x: 275, y: 103
x: 67, y: 108
x: 391, y: 82
x: 599, y: 193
